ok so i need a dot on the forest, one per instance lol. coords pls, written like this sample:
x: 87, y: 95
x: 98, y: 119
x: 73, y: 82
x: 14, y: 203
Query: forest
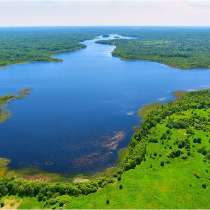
x: 183, y: 48
x: 180, y: 48
x: 31, y: 45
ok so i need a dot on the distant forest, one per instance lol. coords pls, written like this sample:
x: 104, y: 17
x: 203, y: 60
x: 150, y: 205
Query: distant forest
x: 184, y: 48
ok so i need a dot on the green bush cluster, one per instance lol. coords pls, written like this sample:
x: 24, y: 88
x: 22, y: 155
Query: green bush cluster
x: 44, y: 191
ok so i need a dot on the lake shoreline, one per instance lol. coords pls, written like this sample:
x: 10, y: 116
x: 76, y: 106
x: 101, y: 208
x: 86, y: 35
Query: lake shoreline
x: 26, y: 172
x: 50, y: 59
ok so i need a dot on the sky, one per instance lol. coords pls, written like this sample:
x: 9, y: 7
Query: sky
x: 104, y: 13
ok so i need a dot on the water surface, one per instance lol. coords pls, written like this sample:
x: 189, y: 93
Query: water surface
x: 81, y: 111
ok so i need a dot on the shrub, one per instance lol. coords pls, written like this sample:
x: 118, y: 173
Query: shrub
x: 197, y: 140
x: 1, y: 204
x: 203, y: 150
x: 3, y: 190
x: 204, y: 186
x: 184, y: 157
x: 119, y: 178
x: 63, y: 200
x: 177, y: 124
x: 175, y: 153
x: 153, y: 140
x: 207, y: 156
x: 162, y: 163
x: 197, y: 176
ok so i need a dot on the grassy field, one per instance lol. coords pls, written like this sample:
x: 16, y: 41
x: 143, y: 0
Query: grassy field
x: 162, y: 181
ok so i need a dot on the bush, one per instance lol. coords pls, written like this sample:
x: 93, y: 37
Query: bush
x: 203, y: 151
x: 175, y: 153
x: 207, y: 156
x: 119, y: 178
x: 162, y: 163
x: 153, y: 140
x: 63, y: 200
x: 3, y: 190
x: 204, y: 186
x: 1, y: 204
x: 197, y: 140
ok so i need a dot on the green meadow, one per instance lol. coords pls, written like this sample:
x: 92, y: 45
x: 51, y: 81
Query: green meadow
x: 162, y: 180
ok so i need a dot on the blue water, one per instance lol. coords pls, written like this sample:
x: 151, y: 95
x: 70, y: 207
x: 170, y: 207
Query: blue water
x: 81, y: 111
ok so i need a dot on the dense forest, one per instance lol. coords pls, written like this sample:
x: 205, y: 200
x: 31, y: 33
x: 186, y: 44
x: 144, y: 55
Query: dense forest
x: 168, y: 159
x: 23, y: 45
x: 179, y: 47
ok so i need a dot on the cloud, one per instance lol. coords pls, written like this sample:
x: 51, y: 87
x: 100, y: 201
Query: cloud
x: 201, y: 4
x: 104, y: 12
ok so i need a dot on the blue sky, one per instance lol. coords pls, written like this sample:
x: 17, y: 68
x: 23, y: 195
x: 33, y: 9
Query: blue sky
x: 104, y: 12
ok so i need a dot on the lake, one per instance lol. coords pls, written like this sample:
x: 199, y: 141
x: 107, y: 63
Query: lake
x: 82, y: 111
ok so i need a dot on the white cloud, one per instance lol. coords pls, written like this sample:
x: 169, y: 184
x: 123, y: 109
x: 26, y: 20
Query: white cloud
x: 104, y: 12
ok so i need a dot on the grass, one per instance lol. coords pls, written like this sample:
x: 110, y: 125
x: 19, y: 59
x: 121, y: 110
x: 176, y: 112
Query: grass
x: 15, y: 202
x: 3, y: 166
x: 27, y: 203
x: 10, y: 202
x: 144, y: 111
x: 179, y: 94
x: 177, y: 184
x: 146, y: 187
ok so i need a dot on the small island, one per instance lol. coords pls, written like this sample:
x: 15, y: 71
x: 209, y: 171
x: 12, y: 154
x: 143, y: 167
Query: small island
x: 4, y: 100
